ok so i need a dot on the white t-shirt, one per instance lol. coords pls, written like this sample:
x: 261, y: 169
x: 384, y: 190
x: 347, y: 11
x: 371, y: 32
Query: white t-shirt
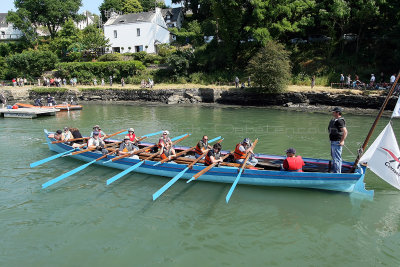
x: 392, y: 78
x: 372, y: 78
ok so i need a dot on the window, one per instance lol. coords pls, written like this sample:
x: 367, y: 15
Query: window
x: 115, y: 34
x: 138, y: 31
x: 138, y: 48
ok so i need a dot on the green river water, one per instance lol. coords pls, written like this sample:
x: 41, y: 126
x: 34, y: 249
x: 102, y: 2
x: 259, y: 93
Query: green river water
x: 83, y: 222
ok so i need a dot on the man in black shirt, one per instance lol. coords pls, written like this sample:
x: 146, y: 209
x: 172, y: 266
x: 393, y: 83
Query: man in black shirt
x: 337, y: 134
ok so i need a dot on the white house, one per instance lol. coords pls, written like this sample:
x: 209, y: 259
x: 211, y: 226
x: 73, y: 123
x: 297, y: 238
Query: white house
x: 137, y: 32
x: 88, y: 20
x: 173, y: 17
x: 7, y: 31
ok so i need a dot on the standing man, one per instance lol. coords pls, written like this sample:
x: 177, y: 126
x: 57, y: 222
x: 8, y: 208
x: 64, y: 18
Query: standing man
x: 237, y: 82
x: 337, y: 134
x: 341, y: 80
x: 3, y: 100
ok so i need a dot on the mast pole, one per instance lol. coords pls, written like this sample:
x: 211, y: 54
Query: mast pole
x: 364, y: 146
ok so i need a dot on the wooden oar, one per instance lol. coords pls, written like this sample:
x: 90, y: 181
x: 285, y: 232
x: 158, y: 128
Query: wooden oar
x: 121, y: 174
x: 228, y: 196
x: 144, y: 149
x: 186, y: 151
x: 40, y: 162
x: 70, y: 140
x: 203, y: 171
x: 73, y: 171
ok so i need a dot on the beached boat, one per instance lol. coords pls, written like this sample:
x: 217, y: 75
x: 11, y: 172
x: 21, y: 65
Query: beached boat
x: 268, y: 173
x: 61, y: 107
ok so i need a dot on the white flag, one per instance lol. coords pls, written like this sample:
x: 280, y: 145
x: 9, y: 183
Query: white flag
x: 396, y: 111
x: 371, y: 149
x: 385, y: 161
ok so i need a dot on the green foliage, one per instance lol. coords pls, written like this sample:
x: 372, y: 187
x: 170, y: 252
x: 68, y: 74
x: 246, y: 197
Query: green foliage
x: 132, y: 6
x: 48, y: 90
x: 67, y: 39
x: 50, y: 13
x: 179, y: 63
x: 3, y: 67
x: 270, y: 68
x: 110, y: 57
x: 93, y: 38
x: 86, y: 71
x: 31, y: 63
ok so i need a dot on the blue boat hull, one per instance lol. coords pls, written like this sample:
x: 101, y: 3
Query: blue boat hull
x: 343, y: 182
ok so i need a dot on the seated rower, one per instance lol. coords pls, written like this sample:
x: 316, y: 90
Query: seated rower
x: 66, y: 135
x: 292, y: 162
x: 167, y: 151
x: 214, y: 155
x: 56, y: 135
x: 96, y: 128
x: 127, y: 147
x: 241, y: 151
x: 202, y: 146
x: 164, y: 139
x: 132, y: 136
x: 76, y: 134
x: 95, y: 142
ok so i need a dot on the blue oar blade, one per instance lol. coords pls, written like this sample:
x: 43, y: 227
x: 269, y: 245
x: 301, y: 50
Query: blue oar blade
x: 40, y: 162
x: 215, y: 139
x: 169, y: 184
x: 65, y: 175
x: 179, y: 137
x: 191, y: 179
x: 228, y: 196
x: 152, y: 134
x: 119, y: 175
x: 158, y: 163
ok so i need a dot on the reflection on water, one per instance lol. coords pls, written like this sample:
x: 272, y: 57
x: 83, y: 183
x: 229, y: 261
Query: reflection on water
x: 84, y: 222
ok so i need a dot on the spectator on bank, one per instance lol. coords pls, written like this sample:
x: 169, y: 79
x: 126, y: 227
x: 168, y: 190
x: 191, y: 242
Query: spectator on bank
x: 25, y: 81
x: 348, y: 81
x: 14, y: 82
x: 102, y: 82
x: 64, y: 81
x: 3, y: 99
x: 38, y: 81
x: 312, y: 81
x: 75, y: 81
x: 122, y: 82
x: 237, y: 82
x: 372, y: 80
x: 111, y: 80
x: 392, y: 79
x: 95, y: 81
x: 341, y: 80
x: 242, y: 86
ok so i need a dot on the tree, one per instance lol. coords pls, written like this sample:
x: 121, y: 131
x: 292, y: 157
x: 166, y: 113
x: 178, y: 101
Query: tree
x: 49, y: 13
x: 270, y: 68
x: 93, y: 38
x: 68, y: 39
x: 132, y: 6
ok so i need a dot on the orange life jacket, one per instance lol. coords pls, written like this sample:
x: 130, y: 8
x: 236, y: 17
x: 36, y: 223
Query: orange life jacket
x: 207, y: 159
x: 198, y: 149
x: 239, y: 154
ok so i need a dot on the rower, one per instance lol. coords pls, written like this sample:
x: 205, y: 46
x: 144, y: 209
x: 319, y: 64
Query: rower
x: 56, y: 135
x: 214, y: 155
x: 165, y: 146
x: 97, y: 143
x: 66, y: 135
x: 127, y: 147
x: 96, y: 128
x: 202, y: 146
x: 292, y: 162
x: 241, y: 150
x: 132, y: 136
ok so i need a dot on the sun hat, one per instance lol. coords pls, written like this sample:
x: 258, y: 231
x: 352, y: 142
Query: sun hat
x: 131, y: 130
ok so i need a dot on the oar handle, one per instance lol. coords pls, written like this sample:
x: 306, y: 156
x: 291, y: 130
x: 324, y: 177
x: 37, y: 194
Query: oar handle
x: 177, y: 155
x: 248, y: 155
x: 93, y: 148
x: 104, y: 156
x: 203, y: 171
x: 70, y: 140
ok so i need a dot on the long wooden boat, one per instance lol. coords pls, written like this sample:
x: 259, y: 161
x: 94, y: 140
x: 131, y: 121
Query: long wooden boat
x: 61, y: 107
x: 268, y: 173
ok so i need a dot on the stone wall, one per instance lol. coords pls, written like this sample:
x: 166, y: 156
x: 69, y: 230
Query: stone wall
x: 231, y: 97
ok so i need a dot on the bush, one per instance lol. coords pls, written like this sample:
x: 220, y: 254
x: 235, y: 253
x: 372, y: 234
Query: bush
x: 86, y: 71
x: 270, y: 68
x: 110, y: 57
x: 31, y: 63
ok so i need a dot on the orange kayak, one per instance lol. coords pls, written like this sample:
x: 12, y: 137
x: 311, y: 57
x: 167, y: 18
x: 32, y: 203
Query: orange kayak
x: 62, y: 107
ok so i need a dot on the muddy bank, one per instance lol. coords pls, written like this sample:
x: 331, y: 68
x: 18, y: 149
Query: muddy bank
x: 293, y: 100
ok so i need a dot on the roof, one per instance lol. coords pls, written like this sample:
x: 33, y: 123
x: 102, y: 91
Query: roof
x: 3, y: 22
x: 173, y: 12
x: 131, y: 18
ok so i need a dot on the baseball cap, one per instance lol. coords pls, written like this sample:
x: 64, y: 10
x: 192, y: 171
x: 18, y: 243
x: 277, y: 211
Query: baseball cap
x: 246, y: 140
x: 337, y: 109
x: 131, y: 130
x: 291, y: 150
x: 96, y: 126
x: 166, y: 132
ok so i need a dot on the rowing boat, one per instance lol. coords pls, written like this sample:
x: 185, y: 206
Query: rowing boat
x: 268, y: 173
x: 61, y: 107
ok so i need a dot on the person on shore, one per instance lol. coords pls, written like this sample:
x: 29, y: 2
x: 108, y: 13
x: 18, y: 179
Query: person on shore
x: 201, y: 147
x: 14, y: 82
x: 292, y: 162
x: 3, y: 99
x: 341, y: 80
x: 348, y: 81
x: 66, y: 134
x: 213, y: 155
x: 127, y: 147
x: 96, y: 143
x: 122, y: 82
x: 95, y: 82
x: 97, y: 129
x: 241, y: 151
x: 38, y: 102
x: 312, y: 81
x: 102, y: 82
x: 237, y: 82
x: 337, y: 135
x: 372, y: 80
x: 243, y: 85
x: 111, y: 80
x: 392, y: 79
x: 50, y: 100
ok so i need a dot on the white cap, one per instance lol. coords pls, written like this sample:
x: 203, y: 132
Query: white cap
x: 131, y: 130
x: 166, y: 132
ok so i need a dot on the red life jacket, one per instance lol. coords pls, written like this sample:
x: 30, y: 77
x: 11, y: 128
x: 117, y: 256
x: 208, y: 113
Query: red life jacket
x: 239, y: 154
x: 294, y: 164
x: 132, y: 137
x: 198, y: 149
